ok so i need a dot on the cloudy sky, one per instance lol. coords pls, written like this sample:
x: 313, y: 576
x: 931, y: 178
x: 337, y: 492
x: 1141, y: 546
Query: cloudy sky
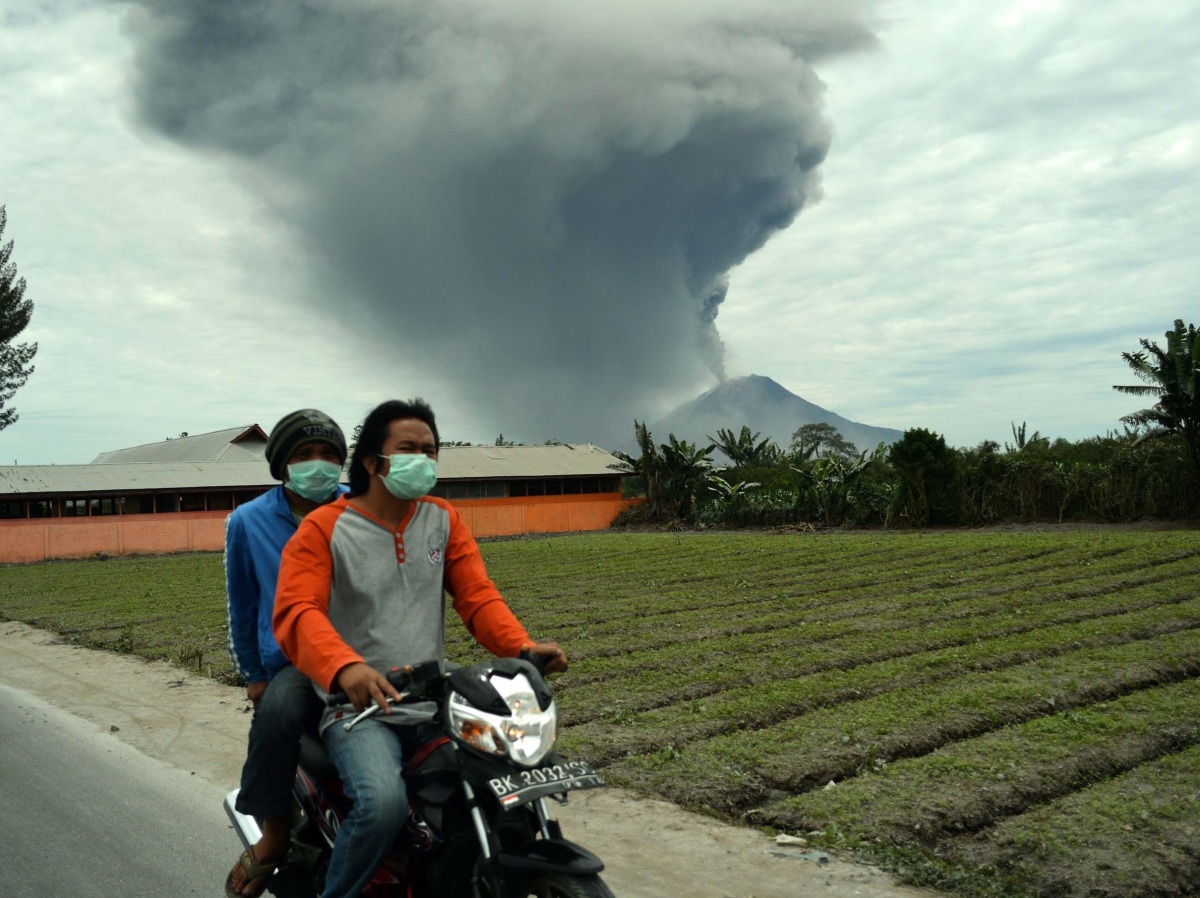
x: 549, y: 219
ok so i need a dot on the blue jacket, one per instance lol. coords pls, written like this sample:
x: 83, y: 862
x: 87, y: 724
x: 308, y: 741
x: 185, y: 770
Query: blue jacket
x: 255, y: 534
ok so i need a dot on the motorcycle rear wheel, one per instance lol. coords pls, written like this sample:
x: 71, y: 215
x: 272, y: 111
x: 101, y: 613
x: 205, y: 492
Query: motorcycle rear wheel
x: 562, y: 885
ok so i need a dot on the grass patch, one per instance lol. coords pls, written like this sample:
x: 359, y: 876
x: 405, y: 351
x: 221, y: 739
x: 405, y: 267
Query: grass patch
x: 168, y: 607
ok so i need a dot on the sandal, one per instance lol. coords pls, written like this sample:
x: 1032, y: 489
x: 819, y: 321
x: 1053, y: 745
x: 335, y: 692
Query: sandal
x: 254, y: 869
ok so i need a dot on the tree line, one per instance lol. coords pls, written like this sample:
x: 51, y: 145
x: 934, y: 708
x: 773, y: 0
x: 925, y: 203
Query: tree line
x: 1149, y: 468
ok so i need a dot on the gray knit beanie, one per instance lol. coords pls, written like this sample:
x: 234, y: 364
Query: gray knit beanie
x: 304, y: 426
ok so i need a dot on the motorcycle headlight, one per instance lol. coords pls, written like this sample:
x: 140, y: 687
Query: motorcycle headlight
x: 526, y: 735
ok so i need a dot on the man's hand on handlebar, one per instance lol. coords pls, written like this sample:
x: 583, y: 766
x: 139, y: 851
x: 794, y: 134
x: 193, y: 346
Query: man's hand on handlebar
x: 552, y: 655
x: 364, y: 685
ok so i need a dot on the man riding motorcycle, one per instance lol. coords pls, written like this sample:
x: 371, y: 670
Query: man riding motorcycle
x: 361, y: 589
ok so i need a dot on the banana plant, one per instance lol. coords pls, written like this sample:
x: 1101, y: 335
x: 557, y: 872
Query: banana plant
x: 746, y: 450
x: 686, y: 468
x: 830, y: 481
x: 650, y: 466
x: 730, y: 492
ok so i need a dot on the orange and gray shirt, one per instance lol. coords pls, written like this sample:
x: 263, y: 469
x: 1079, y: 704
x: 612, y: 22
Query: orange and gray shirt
x: 353, y: 589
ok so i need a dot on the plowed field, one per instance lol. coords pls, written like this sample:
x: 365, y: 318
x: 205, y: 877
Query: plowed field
x: 1007, y: 713
x: 997, y: 713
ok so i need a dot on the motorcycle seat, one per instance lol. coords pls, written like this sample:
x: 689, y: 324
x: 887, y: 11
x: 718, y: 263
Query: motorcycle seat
x: 315, y: 759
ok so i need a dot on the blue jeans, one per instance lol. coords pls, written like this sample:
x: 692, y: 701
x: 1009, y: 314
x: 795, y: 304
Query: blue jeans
x: 287, y: 709
x: 370, y: 759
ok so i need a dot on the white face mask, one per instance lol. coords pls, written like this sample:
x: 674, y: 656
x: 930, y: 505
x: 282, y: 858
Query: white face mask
x: 409, y: 476
x: 314, y: 480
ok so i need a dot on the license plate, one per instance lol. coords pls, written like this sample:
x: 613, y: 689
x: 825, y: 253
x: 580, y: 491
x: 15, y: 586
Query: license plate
x: 523, y: 786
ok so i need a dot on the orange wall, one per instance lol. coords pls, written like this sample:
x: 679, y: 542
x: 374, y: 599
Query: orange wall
x: 204, y: 531
x: 134, y: 534
x: 541, y: 514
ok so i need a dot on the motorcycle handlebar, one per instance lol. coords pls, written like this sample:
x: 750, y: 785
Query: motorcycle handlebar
x: 538, y: 661
x: 399, y: 677
x: 404, y: 677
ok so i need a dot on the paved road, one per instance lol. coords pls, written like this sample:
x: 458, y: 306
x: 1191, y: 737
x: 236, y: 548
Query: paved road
x: 82, y: 814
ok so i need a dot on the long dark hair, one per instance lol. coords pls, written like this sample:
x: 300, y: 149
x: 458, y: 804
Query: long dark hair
x: 374, y: 431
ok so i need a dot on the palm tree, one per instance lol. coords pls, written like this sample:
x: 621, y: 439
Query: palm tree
x: 746, y: 450
x: 1173, y: 375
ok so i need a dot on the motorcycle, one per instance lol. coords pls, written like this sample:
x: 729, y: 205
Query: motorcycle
x: 478, y: 824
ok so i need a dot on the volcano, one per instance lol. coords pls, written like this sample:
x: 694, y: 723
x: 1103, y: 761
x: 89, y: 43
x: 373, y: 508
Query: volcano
x: 766, y: 408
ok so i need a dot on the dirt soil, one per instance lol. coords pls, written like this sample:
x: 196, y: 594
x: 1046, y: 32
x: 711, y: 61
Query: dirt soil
x: 651, y: 848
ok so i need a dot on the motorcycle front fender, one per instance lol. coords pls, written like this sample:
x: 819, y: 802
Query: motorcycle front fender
x: 549, y: 856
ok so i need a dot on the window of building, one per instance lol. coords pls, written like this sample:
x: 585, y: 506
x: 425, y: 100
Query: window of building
x: 103, y: 506
x: 471, y: 489
x: 498, y: 489
x: 137, y: 505
x: 75, y: 508
x: 165, y: 503
x: 43, y: 508
x: 12, y: 508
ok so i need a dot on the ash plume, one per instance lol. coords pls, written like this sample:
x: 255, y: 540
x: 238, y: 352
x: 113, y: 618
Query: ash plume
x: 537, y: 201
x: 709, y: 343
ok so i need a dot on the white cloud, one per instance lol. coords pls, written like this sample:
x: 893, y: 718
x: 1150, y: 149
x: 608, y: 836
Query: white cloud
x: 1001, y: 219
x: 161, y: 288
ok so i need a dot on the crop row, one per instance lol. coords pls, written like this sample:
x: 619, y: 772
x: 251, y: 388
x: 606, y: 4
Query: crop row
x: 995, y: 586
x: 1137, y: 833
x: 726, y: 608
x: 739, y: 770
x: 650, y: 680
x: 863, y: 618
x: 636, y: 573
x: 621, y: 732
x: 608, y: 571
x: 966, y: 786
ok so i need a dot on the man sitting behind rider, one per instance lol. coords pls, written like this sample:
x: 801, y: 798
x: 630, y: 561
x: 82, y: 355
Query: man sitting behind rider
x: 362, y: 590
x: 306, y: 450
